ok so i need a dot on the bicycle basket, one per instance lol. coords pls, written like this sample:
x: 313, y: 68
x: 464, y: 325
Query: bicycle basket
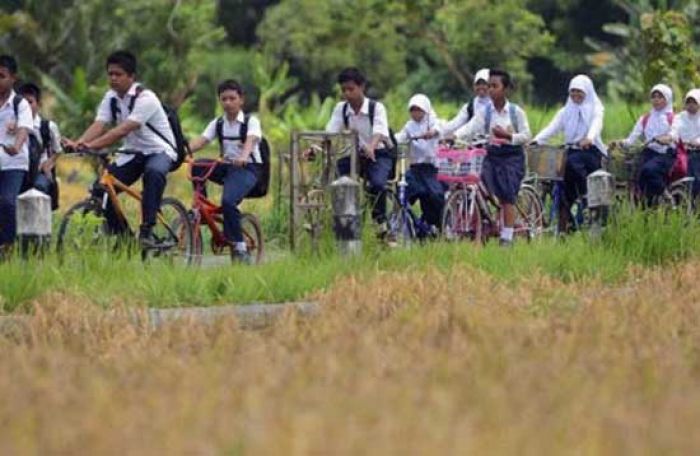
x: 547, y: 162
x: 460, y: 165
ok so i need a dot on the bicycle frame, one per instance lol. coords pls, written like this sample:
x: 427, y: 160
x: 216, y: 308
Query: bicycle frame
x: 203, y: 208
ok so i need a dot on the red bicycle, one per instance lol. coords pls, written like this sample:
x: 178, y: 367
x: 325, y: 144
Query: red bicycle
x: 204, y: 212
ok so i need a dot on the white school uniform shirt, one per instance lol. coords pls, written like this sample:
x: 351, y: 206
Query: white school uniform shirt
x: 55, y: 135
x: 360, y: 122
x: 420, y: 150
x: 147, y: 110
x: 657, y: 125
x: 233, y: 148
x: 686, y: 128
x: 458, y: 123
x: 477, y: 125
x: 23, y: 120
x: 578, y: 121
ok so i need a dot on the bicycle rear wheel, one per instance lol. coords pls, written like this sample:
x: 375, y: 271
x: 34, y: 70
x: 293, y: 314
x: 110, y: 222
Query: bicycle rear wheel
x: 253, y: 237
x: 679, y: 198
x: 402, y: 228
x: 174, y: 234
x: 461, y: 217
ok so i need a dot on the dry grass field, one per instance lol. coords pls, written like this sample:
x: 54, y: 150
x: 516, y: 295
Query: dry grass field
x: 441, y: 361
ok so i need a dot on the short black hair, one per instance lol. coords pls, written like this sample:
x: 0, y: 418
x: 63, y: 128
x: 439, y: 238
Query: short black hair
x: 229, y: 84
x: 124, y: 59
x: 9, y: 62
x: 505, y: 77
x: 30, y: 89
x: 352, y: 74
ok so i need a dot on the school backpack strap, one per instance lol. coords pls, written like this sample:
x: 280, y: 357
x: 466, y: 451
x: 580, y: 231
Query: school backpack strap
x: 15, y: 104
x: 470, y: 109
x: 512, y: 112
x: 645, y: 119
x: 220, y: 134
x: 346, y: 119
x: 45, y: 134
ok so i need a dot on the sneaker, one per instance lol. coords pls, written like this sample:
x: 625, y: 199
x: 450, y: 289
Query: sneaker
x: 241, y: 257
x: 505, y: 243
x: 147, y: 239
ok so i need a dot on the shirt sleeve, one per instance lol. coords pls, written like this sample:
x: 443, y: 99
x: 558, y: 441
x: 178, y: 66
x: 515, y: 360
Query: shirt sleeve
x: 254, y: 128
x: 523, y: 135
x: 635, y: 134
x: 381, y: 123
x: 209, y: 133
x: 596, y: 128
x: 145, y: 107
x: 104, y: 112
x: 462, y: 117
x: 554, y: 127
x: 475, y: 125
x: 24, y: 116
x: 335, y: 123
x: 402, y: 136
x: 55, y: 138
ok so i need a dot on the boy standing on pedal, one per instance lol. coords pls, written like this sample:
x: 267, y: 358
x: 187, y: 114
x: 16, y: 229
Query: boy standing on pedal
x: 508, y: 130
x: 368, y: 118
x: 239, y: 135
x: 50, y: 138
x: 421, y: 178
x: 143, y: 124
x: 15, y: 126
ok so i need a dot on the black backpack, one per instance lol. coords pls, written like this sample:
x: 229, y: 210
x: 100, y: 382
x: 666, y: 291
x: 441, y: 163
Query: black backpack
x: 34, y: 146
x: 181, y: 145
x: 45, y: 135
x: 263, y: 183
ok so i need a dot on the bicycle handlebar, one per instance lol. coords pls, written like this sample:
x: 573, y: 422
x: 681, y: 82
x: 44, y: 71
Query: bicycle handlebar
x: 102, y: 153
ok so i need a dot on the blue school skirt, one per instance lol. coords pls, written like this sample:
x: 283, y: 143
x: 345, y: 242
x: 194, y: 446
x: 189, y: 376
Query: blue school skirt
x: 504, y: 169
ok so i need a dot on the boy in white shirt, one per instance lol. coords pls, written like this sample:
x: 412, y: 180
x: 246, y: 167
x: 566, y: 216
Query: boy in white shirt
x: 143, y: 124
x: 46, y: 131
x: 508, y: 130
x: 239, y: 137
x: 421, y: 177
x: 15, y: 126
x: 368, y: 118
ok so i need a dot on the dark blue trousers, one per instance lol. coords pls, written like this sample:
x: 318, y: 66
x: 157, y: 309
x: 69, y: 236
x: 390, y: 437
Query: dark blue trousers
x: 10, y: 185
x: 653, y: 172
x: 238, y: 182
x: 154, y: 168
x: 376, y: 174
x: 424, y: 187
x: 694, y: 170
x: 579, y: 164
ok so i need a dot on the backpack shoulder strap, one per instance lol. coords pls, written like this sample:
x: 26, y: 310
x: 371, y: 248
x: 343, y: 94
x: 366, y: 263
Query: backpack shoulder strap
x: 513, y: 111
x: 487, y: 118
x: 372, y: 109
x: 470, y: 109
x: 220, y: 134
x: 669, y: 117
x: 645, y: 121
x: 243, y: 132
x: 15, y: 104
x: 114, y: 104
x: 346, y: 120
x: 45, y: 133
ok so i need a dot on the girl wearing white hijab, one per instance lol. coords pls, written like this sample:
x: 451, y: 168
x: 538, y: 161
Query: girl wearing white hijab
x: 479, y: 103
x: 581, y: 121
x: 422, y: 174
x: 685, y: 132
x: 656, y: 159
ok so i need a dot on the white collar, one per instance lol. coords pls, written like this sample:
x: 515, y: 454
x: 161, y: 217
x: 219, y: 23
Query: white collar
x: 364, y: 109
x: 506, y: 107
x: 240, y: 118
x: 10, y: 98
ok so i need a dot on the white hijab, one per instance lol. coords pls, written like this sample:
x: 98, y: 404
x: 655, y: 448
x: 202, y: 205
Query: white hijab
x: 579, y: 117
x: 694, y: 94
x: 422, y: 102
x: 658, y: 123
x: 482, y: 74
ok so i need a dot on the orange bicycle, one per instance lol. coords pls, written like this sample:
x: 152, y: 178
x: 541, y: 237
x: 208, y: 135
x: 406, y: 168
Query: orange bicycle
x: 204, y: 212
x: 85, y: 224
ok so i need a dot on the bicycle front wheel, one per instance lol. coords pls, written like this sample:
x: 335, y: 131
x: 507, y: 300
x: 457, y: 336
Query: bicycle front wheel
x: 461, y: 217
x: 529, y: 221
x: 253, y: 237
x: 402, y: 229
x: 82, y: 229
x: 173, y: 233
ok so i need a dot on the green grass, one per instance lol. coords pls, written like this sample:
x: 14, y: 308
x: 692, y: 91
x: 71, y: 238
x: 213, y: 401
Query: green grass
x: 633, y: 239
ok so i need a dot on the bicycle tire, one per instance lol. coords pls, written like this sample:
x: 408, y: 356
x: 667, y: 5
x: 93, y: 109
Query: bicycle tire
x: 461, y: 217
x: 529, y: 218
x: 82, y: 228
x: 252, y: 234
x: 680, y: 199
x: 173, y: 230
x: 402, y: 229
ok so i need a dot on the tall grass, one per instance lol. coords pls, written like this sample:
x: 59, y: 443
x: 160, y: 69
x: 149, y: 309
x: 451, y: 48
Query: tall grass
x: 633, y: 239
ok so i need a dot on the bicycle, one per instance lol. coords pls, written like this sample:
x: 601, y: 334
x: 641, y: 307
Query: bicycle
x: 677, y: 195
x: 205, y: 212
x: 404, y: 226
x: 471, y: 211
x: 85, y: 224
